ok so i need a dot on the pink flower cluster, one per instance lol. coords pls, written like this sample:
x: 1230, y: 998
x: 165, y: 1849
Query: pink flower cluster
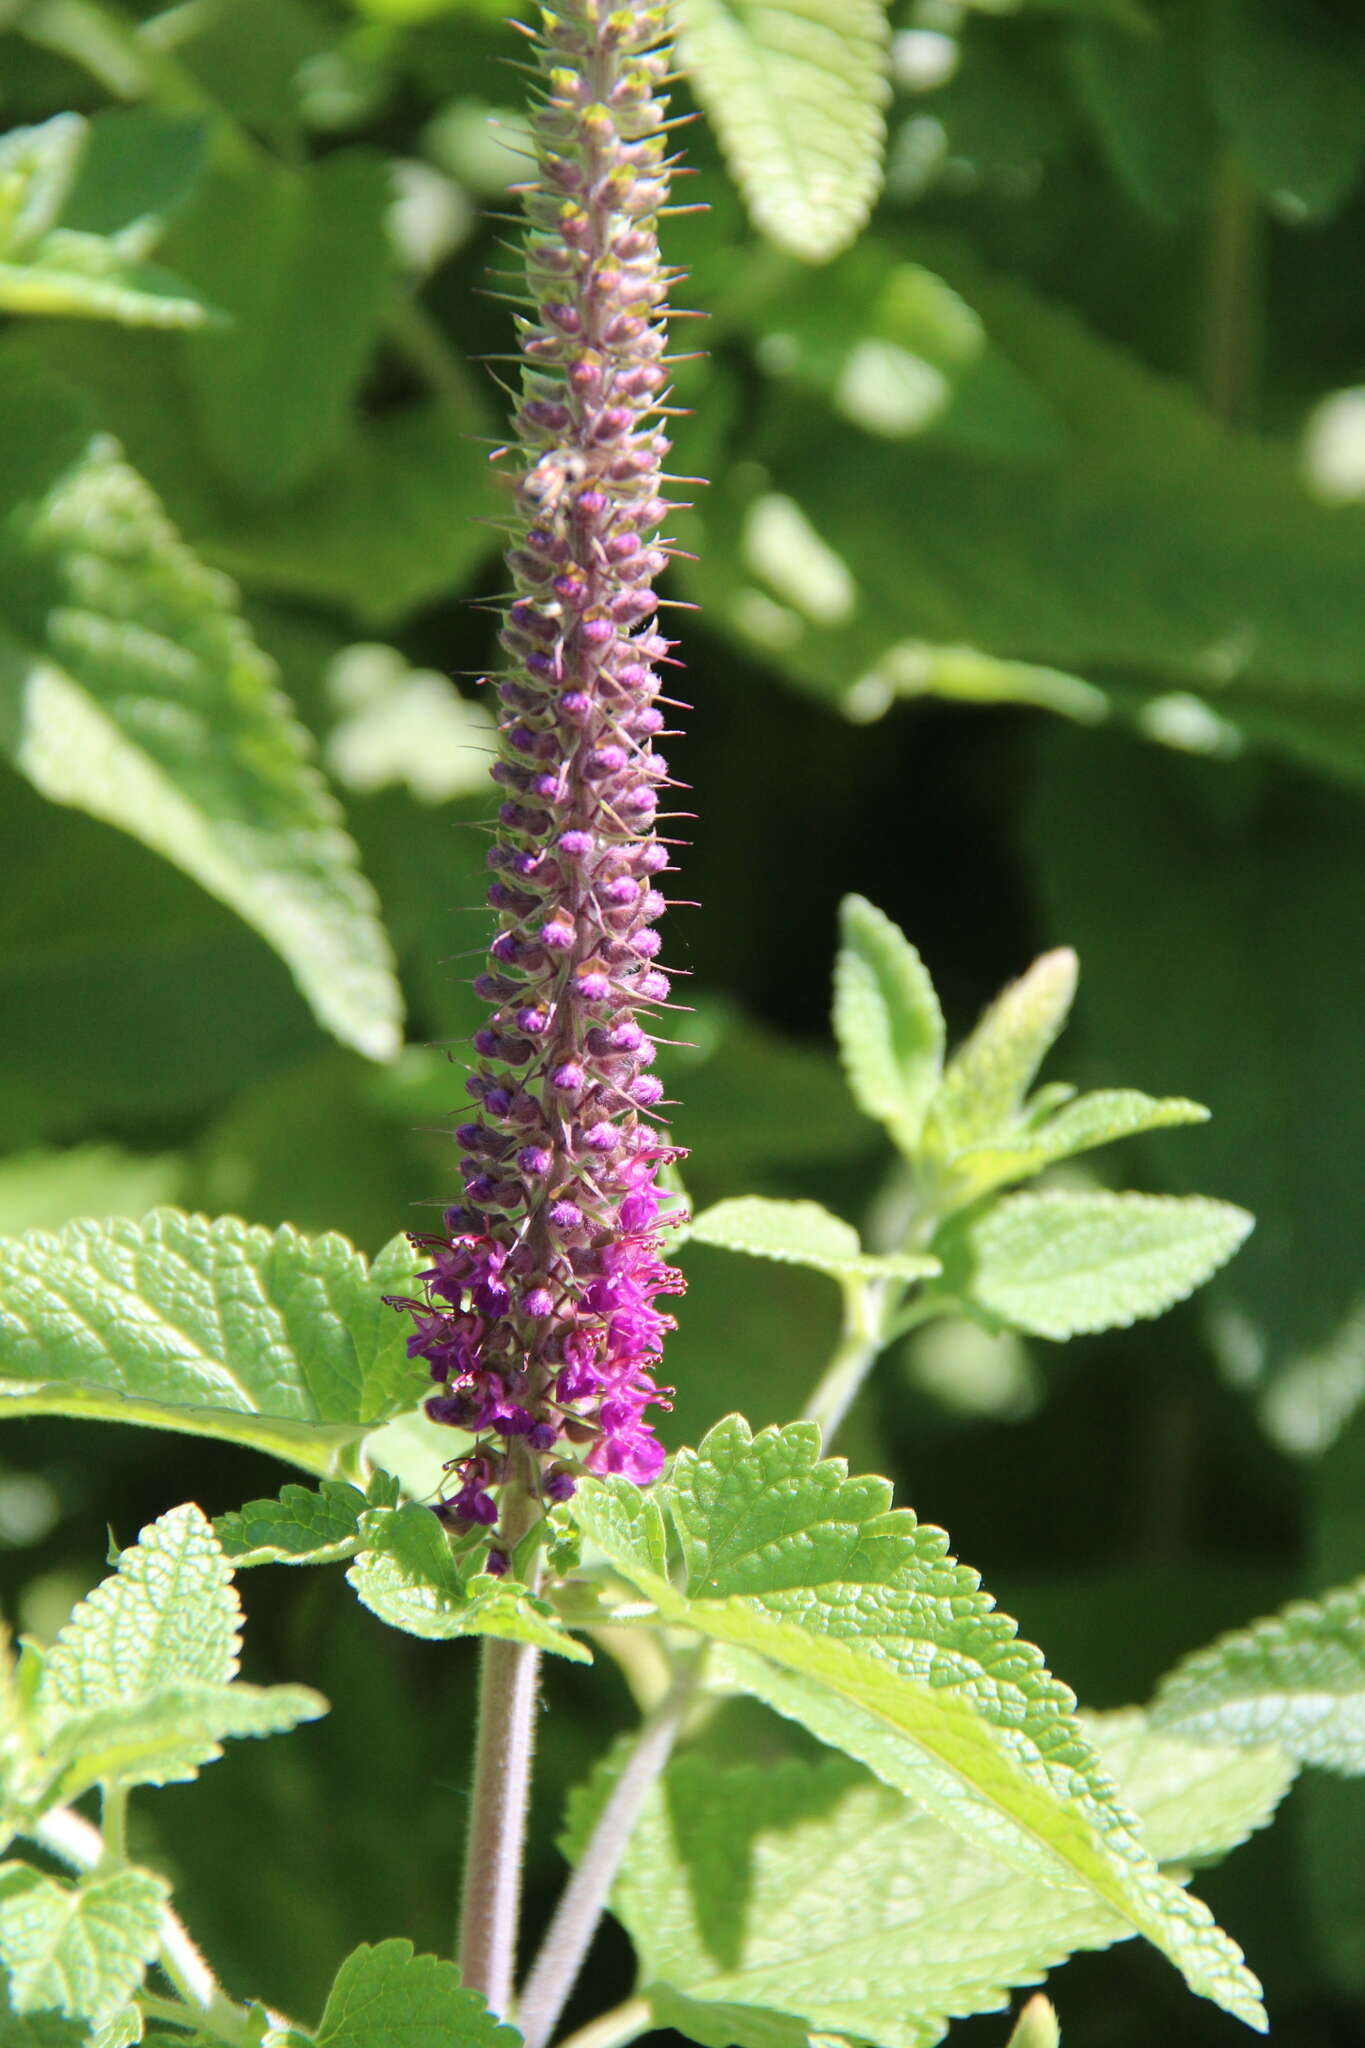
x: 538, y: 1314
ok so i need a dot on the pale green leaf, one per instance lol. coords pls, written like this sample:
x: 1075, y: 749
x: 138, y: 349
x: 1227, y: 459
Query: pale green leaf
x: 1061, y: 1263
x: 1019, y: 1153
x: 1296, y: 1678
x: 796, y: 89
x: 131, y: 689
x: 886, y: 1019
x: 386, y: 1997
x: 987, y: 1078
x: 122, y: 2030
x: 852, y: 1618
x: 798, y: 1234
x: 51, y: 265
x: 809, y: 1893
x: 303, y: 1526
x: 79, y: 1948
x: 166, y: 1738
x: 408, y: 1576
x: 169, y: 1615
x: 217, y: 1328
x: 1037, y: 2025
x: 299, y: 257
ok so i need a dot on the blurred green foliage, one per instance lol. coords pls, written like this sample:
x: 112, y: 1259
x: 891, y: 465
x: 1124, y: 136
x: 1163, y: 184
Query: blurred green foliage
x: 1031, y: 576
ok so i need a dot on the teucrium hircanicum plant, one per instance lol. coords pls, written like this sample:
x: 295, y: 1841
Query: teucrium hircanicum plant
x: 967, y: 1827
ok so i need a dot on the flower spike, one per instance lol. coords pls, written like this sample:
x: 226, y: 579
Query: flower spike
x: 538, y: 1315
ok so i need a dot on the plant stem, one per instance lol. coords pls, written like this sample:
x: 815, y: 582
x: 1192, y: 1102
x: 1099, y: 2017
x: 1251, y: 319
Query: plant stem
x: 861, y: 1341
x: 509, y: 1675
x: 1232, y: 293
x: 584, y: 1898
x: 615, y: 2028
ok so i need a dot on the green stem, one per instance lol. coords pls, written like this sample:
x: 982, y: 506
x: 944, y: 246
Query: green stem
x: 860, y: 1343
x: 509, y: 1678
x: 614, y: 2029
x: 1231, y: 347
x: 114, y: 1823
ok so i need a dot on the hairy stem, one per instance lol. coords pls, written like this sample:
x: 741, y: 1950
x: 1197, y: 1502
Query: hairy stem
x: 509, y: 1678
x: 584, y: 1898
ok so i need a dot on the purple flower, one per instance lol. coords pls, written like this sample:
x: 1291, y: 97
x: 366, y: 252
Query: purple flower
x: 539, y: 1318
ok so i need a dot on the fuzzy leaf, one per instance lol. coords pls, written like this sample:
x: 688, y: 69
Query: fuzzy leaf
x: 38, y: 2029
x: 732, y: 1870
x: 852, y: 1618
x: 131, y: 689
x: 1061, y: 1263
x: 304, y: 1526
x: 886, y: 1019
x: 408, y: 1576
x: 986, y: 1080
x: 217, y: 1328
x: 169, y: 1615
x: 798, y: 1234
x: 386, y: 1997
x: 1098, y: 1119
x: 166, y: 1738
x: 1296, y: 1678
x: 80, y: 1948
x: 796, y: 89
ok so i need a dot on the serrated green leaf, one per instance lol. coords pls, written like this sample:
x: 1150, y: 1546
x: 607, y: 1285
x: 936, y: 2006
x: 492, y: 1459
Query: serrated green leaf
x: 130, y: 688
x: 1060, y: 1263
x: 303, y: 1526
x: 79, y: 1948
x: 169, y: 1615
x: 165, y: 1739
x: 386, y: 1997
x: 799, y: 1234
x: 987, y: 1078
x: 1297, y: 1678
x: 123, y: 2030
x: 852, y: 1618
x: 1040, y: 1141
x: 796, y: 89
x: 1155, y: 551
x: 217, y: 1328
x: 809, y: 1893
x: 886, y: 1019
x: 299, y: 257
x: 407, y: 1575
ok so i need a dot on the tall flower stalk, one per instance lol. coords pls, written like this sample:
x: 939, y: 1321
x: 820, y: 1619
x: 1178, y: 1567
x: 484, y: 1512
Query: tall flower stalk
x: 539, y: 1314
